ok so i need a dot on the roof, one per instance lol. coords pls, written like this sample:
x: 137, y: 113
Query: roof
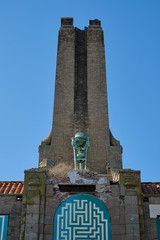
x: 11, y: 187
x: 150, y: 187
x: 16, y: 187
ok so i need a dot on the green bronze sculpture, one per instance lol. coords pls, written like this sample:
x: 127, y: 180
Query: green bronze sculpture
x: 80, y: 143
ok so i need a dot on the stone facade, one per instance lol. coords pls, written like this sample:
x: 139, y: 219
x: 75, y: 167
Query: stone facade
x: 11, y: 205
x: 122, y: 198
x: 150, y: 222
x: 126, y: 208
x: 133, y: 213
x: 43, y: 194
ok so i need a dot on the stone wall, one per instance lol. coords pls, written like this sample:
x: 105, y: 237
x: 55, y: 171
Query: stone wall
x: 133, y: 215
x: 33, y: 210
x: 43, y: 194
x: 12, y: 206
x: 150, y: 219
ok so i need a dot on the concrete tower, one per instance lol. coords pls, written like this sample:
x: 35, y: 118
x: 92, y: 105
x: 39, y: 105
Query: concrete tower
x: 80, y: 102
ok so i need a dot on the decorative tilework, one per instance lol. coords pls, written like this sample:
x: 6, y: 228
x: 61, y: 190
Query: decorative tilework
x: 3, y: 227
x: 158, y: 227
x: 81, y: 217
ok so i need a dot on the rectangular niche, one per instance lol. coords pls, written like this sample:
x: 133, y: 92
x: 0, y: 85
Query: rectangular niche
x: 76, y: 188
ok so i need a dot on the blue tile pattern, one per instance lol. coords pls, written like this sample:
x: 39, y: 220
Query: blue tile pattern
x: 81, y: 217
x: 158, y: 227
x: 3, y: 227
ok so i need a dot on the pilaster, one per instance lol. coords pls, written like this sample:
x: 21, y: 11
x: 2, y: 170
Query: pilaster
x: 33, y: 205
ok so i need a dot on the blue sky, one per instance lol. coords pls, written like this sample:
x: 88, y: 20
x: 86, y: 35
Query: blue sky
x: 28, y: 47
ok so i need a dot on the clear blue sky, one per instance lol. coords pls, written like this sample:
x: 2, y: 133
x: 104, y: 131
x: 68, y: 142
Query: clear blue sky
x: 28, y: 47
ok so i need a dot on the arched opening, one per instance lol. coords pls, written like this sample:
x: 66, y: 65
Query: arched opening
x: 81, y: 217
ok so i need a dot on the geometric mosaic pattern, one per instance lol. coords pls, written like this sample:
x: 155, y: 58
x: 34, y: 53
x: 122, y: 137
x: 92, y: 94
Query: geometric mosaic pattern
x: 3, y: 227
x: 82, y: 217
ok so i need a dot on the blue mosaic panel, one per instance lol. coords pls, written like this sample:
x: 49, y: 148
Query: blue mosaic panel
x: 81, y: 217
x: 158, y: 227
x: 3, y: 227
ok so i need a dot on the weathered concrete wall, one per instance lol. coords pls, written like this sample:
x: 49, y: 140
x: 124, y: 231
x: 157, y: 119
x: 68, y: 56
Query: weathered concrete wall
x: 10, y: 206
x: 43, y: 195
x: 131, y: 195
x: 123, y: 200
x: 150, y: 224
x: 33, y: 218
x: 33, y: 207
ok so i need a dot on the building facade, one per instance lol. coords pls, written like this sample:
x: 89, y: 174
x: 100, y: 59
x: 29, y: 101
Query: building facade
x: 80, y: 189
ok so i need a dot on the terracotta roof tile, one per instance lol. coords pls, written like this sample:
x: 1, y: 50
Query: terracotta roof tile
x: 22, y: 189
x: 17, y: 187
x: 11, y: 187
x: 150, y: 187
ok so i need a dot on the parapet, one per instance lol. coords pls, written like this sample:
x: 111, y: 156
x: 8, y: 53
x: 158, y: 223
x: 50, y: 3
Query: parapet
x: 67, y: 22
x: 95, y: 24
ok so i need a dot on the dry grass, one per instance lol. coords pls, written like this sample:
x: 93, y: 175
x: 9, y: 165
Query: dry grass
x: 113, y: 174
x: 60, y: 170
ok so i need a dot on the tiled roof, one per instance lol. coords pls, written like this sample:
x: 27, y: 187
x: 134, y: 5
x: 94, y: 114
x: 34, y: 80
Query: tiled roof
x: 150, y: 187
x: 11, y: 187
x: 16, y: 187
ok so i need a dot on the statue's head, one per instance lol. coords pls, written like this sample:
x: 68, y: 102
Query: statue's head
x: 80, y: 140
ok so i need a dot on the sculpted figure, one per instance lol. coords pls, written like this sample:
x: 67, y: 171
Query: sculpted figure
x: 80, y: 143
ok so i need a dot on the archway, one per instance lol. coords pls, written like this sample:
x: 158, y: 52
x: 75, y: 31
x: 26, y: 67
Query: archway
x: 81, y: 217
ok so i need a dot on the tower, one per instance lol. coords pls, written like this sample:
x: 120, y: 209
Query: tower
x: 80, y: 102
x: 58, y: 202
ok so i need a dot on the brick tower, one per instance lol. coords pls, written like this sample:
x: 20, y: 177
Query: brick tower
x: 80, y: 102
x: 59, y: 202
